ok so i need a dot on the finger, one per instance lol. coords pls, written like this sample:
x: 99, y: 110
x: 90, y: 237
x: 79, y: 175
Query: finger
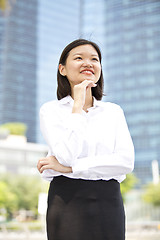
x: 87, y: 82
x: 38, y: 165
x: 52, y: 158
x: 41, y: 169
x: 41, y: 162
x: 45, y: 167
x: 92, y: 85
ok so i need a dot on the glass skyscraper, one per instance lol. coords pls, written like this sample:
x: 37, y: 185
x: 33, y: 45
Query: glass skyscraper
x: 131, y: 61
x: 58, y: 24
x: 33, y: 36
x: 18, y: 64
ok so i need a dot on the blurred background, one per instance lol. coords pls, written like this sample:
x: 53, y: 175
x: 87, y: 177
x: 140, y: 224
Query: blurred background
x: 32, y: 35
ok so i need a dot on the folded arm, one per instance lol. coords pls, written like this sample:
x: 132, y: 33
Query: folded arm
x: 118, y: 162
x: 63, y: 136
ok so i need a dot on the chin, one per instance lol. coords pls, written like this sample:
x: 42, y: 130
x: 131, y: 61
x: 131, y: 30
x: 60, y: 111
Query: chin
x: 89, y: 79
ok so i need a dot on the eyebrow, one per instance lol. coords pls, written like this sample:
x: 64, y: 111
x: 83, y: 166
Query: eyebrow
x: 82, y: 54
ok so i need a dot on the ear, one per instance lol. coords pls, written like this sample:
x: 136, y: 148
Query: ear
x: 62, y: 69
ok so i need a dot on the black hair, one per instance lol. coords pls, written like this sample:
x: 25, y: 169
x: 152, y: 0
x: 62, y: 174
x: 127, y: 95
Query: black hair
x: 64, y: 88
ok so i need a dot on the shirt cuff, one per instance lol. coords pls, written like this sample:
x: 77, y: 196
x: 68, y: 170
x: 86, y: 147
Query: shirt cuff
x: 49, y: 174
x: 81, y: 166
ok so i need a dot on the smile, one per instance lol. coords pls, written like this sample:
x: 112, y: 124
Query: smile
x: 88, y: 72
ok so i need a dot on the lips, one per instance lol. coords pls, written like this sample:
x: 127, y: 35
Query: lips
x: 87, y: 71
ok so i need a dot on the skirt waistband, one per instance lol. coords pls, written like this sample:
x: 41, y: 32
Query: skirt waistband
x: 68, y: 187
x: 66, y: 180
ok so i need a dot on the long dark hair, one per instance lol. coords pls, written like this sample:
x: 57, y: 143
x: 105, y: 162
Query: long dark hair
x: 64, y: 87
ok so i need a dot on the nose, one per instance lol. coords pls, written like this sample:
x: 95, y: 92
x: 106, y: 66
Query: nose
x: 87, y: 63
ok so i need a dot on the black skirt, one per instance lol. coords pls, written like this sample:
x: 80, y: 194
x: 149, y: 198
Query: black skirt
x: 85, y: 210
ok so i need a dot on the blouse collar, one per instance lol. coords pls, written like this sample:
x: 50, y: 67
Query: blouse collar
x: 69, y: 99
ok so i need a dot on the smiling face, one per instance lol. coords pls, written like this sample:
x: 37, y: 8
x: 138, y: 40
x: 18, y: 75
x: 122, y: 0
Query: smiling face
x: 82, y: 63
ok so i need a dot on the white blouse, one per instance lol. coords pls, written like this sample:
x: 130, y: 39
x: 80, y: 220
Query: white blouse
x: 96, y: 144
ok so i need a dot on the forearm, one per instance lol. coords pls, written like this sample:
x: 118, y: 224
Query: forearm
x: 64, y: 169
x: 64, y: 138
x: 77, y: 108
x: 107, y: 165
x: 51, y: 162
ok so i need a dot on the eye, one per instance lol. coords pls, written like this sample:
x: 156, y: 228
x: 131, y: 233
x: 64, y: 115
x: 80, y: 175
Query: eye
x: 95, y: 59
x: 78, y: 58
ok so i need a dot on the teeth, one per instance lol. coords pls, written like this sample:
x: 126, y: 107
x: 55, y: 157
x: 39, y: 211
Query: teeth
x: 87, y: 71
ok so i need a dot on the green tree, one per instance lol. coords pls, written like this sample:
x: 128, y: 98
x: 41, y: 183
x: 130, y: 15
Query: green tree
x: 8, y: 200
x: 15, y: 128
x: 128, y: 184
x: 152, y: 194
x: 27, y: 189
x: 24, y: 189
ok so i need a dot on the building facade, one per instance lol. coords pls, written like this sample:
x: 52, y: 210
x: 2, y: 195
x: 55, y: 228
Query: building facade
x: 18, y: 65
x: 57, y: 26
x: 131, y: 56
x: 127, y: 32
x: 32, y: 36
x: 20, y: 157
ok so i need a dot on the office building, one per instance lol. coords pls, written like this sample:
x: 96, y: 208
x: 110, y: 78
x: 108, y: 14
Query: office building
x: 19, y: 156
x: 127, y: 32
x: 57, y: 26
x: 131, y: 39
x: 18, y: 65
x: 32, y: 36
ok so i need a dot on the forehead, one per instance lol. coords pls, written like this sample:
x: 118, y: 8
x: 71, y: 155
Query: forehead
x: 84, y: 49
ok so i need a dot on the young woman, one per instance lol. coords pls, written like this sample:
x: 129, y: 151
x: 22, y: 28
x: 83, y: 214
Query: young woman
x: 90, y: 151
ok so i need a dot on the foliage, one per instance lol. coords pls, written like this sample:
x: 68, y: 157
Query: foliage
x: 15, y: 128
x: 27, y: 190
x: 8, y: 199
x: 128, y: 184
x: 20, y: 192
x: 152, y: 194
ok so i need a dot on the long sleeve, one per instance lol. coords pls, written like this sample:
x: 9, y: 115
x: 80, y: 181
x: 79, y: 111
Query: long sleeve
x: 108, y: 164
x: 63, y: 132
x: 96, y: 144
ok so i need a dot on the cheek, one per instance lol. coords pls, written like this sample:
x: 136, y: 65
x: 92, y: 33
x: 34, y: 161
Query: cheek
x: 71, y: 72
x: 72, y: 67
x: 98, y: 72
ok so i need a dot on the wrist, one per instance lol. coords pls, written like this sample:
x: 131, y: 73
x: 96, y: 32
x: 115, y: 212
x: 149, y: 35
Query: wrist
x: 77, y: 108
x: 65, y: 169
